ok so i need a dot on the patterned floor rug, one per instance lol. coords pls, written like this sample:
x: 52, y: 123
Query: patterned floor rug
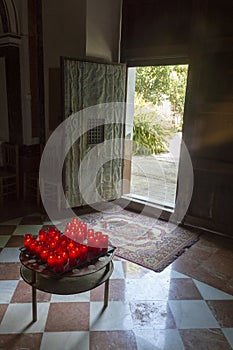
x: 146, y: 241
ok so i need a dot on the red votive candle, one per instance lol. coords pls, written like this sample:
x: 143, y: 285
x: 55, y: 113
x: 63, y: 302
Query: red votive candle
x: 51, y: 260
x: 91, y: 243
x: 90, y: 233
x: 72, y: 257
x: 52, y: 245
x: 84, y: 229
x: 44, y: 255
x: 73, y: 227
x: 78, y: 251
x: 27, y: 240
x: 57, y: 236
x: 38, y: 248
x: 58, y: 251
x: 59, y: 264
x: 70, y: 246
x: 75, y: 221
x: 68, y: 225
x: 63, y: 244
x: 80, y: 237
x: 67, y: 232
x: 72, y: 235
x: 96, y: 249
x: 104, y: 243
x: 32, y: 246
x: 65, y: 256
x: 83, y: 252
x: 52, y: 232
x: 98, y: 234
x: 42, y: 235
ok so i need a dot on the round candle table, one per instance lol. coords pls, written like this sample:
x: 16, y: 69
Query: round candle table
x: 76, y: 281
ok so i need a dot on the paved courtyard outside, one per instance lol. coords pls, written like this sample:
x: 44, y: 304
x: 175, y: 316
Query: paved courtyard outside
x: 154, y: 177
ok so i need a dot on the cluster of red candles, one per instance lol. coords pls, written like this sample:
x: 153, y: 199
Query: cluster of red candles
x: 60, y: 251
x: 77, y: 230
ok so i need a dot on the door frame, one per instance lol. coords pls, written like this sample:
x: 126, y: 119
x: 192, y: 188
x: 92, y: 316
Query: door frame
x: 148, y: 208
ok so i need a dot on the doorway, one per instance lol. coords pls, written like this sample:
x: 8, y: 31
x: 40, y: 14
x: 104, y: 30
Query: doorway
x: 154, y: 120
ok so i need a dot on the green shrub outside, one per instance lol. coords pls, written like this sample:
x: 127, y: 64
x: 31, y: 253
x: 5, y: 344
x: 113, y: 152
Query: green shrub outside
x: 151, y: 132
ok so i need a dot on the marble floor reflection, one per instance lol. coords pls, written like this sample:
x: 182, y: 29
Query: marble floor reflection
x: 186, y: 306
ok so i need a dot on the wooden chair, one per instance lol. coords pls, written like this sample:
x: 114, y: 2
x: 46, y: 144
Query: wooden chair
x: 52, y: 192
x: 51, y: 189
x: 31, y: 186
x: 9, y: 175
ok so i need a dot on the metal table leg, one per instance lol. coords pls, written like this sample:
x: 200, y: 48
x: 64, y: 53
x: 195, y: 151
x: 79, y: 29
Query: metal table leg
x: 106, y: 292
x: 106, y: 288
x: 34, y: 301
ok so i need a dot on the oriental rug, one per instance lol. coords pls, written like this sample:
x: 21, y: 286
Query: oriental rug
x: 147, y: 241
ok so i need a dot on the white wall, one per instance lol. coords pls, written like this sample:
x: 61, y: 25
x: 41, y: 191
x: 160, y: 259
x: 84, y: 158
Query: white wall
x: 64, y: 30
x: 78, y: 29
x: 103, y: 29
x: 64, y: 27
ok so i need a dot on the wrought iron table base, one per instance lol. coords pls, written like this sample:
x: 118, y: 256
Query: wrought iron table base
x: 66, y: 284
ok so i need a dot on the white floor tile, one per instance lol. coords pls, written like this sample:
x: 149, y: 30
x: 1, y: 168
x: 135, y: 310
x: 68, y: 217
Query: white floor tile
x: 65, y: 341
x: 3, y: 240
x: 151, y: 315
x: 7, y: 289
x: 192, y: 314
x: 136, y: 271
x: 18, y: 318
x: 211, y: 293
x: 23, y: 229
x: 9, y: 255
x: 150, y: 289
x: 164, y: 277
x: 168, y: 273
x: 118, y: 271
x: 82, y: 297
x: 175, y: 274
x: 228, y: 332
x: 115, y: 317
x: 159, y: 339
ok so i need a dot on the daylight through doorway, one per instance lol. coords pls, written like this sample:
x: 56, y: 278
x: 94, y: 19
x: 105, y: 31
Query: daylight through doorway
x: 157, y: 94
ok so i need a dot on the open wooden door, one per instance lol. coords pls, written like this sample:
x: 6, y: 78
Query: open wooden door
x: 93, y: 98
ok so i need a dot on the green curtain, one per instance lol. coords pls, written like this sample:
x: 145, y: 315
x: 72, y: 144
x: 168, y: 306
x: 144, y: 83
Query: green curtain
x: 88, y: 84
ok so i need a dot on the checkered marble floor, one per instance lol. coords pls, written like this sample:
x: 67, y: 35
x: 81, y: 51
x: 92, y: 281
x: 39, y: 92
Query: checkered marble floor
x: 146, y: 310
